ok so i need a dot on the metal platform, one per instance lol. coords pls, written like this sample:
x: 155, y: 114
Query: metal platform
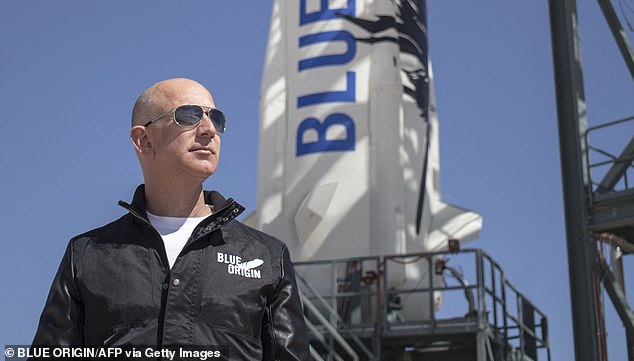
x: 357, y: 316
x: 610, y: 169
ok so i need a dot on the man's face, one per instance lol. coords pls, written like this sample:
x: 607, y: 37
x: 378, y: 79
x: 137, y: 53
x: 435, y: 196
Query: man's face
x: 187, y: 151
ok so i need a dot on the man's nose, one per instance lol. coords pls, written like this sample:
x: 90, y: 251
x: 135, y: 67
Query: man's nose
x: 206, y: 127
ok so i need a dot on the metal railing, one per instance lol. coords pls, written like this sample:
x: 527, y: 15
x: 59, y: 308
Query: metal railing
x: 609, y: 171
x: 313, y: 312
x: 364, y: 302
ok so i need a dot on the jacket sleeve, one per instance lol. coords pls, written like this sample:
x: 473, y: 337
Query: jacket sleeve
x: 284, y: 335
x: 62, y: 320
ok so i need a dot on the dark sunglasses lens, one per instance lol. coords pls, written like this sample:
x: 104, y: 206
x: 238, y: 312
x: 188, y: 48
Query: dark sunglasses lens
x: 188, y: 115
x: 218, y: 118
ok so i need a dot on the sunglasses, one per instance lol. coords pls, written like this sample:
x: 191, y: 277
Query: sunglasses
x: 191, y: 115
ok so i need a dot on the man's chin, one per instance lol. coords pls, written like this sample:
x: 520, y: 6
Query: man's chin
x: 206, y: 172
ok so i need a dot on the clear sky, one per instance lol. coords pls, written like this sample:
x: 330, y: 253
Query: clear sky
x: 70, y: 72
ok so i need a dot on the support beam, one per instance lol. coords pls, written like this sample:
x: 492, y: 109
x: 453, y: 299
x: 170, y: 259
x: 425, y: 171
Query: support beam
x: 618, y: 33
x: 582, y: 254
x: 618, y: 297
x: 614, y: 213
x: 618, y: 169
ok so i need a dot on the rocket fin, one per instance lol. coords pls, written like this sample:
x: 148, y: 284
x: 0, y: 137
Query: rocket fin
x: 312, y: 211
x: 452, y: 222
x: 440, y: 221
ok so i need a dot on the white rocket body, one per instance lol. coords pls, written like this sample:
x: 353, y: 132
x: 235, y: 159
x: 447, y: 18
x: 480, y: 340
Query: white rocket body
x: 348, y: 151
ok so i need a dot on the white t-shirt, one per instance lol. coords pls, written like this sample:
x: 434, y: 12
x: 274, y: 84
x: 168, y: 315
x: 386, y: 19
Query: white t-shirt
x: 175, y: 232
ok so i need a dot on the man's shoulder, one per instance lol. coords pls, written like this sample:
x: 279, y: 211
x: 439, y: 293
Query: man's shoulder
x: 108, y: 231
x: 255, y: 235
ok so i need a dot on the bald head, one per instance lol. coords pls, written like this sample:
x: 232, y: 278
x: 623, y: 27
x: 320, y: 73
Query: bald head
x: 168, y: 152
x: 164, y: 95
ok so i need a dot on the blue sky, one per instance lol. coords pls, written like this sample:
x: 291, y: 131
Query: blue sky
x: 70, y: 72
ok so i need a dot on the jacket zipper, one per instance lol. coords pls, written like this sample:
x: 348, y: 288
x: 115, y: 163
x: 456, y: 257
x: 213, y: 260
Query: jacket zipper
x: 165, y: 286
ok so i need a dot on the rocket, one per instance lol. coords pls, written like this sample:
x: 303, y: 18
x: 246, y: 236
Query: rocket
x: 348, y: 161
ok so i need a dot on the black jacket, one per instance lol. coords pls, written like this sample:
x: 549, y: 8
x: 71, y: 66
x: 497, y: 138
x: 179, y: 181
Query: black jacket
x: 231, y: 286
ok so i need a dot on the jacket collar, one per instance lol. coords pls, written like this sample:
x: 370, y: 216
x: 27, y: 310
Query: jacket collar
x: 227, y: 209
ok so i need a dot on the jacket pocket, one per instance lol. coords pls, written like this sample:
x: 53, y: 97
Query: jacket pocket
x: 233, y: 315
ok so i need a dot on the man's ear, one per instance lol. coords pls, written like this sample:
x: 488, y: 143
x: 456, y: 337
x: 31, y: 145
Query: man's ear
x: 140, y: 139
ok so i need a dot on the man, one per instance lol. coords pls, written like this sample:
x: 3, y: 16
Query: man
x: 178, y: 269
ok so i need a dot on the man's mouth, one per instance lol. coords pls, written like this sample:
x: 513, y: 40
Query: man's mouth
x: 207, y: 150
